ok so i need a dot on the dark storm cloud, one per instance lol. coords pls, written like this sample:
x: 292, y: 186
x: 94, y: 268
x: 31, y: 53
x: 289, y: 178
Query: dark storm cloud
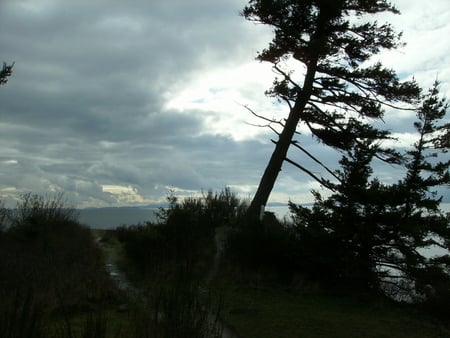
x: 87, y: 105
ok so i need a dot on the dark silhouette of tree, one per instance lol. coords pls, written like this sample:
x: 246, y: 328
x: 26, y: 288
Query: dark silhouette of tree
x: 332, y: 43
x: 5, y: 73
x: 423, y: 222
x: 367, y: 234
x: 340, y: 234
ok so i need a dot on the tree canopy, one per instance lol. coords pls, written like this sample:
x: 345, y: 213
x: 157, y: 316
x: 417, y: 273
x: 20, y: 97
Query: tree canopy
x: 368, y: 234
x: 333, y: 43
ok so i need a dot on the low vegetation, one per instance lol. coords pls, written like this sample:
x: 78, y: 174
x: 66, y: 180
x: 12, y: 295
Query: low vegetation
x: 54, y: 282
x: 51, y: 270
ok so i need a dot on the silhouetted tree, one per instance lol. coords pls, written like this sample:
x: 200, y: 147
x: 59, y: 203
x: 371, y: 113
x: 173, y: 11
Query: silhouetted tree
x: 341, y: 235
x: 331, y: 43
x: 5, y: 73
x: 423, y: 223
x: 368, y: 234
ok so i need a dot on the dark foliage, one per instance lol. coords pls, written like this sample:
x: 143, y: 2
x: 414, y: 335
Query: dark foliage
x: 269, y: 247
x: 183, y: 312
x: 5, y: 72
x: 366, y: 234
x: 185, y: 231
x: 20, y: 317
x: 47, y: 251
x: 173, y: 257
x: 331, y: 49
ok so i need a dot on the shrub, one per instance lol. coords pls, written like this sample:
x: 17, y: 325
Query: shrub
x: 20, y: 317
x: 5, y: 216
x: 269, y: 246
x: 184, y: 233
x: 46, y: 249
x: 182, y: 312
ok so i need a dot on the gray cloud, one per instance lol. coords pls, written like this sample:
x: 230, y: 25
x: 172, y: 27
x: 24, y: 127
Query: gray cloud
x: 86, y: 108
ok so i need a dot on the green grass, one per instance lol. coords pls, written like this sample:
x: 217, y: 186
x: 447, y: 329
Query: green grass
x: 276, y: 312
x: 258, y: 309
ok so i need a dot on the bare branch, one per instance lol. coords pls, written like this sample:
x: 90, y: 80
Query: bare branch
x: 310, y: 173
x: 262, y: 117
x: 295, y: 144
x: 287, y: 77
x: 263, y: 126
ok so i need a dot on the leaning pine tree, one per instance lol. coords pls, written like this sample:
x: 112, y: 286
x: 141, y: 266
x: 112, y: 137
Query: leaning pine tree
x: 332, y: 44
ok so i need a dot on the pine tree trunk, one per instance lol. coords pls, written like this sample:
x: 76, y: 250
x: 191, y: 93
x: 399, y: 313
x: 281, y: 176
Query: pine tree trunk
x: 282, y: 146
x: 274, y: 166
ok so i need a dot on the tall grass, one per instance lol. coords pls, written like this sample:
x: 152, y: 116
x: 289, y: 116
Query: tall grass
x: 21, y: 317
x: 185, y: 310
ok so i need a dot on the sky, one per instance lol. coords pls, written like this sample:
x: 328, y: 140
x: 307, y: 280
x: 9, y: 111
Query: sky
x: 114, y: 102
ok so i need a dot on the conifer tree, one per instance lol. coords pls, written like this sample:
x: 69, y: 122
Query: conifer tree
x: 423, y: 223
x: 369, y: 234
x: 344, y: 235
x: 331, y: 44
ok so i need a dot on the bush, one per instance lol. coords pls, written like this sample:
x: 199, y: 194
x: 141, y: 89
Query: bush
x: 48, y: 251
x: 5, y: 217
x: 269, y: 246
x: 184, y: 233
x: 20, y: 317
x: 144, y: 246
x: 183, y: 312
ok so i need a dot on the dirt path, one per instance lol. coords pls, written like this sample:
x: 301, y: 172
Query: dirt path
x: 136, y: 295
x: 220, y: 238
x: 118, y: 276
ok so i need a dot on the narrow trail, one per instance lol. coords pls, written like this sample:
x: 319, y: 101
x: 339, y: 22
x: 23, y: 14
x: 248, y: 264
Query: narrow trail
x: 137, y: 296
x: 118, y: 276
x: 220, y: 238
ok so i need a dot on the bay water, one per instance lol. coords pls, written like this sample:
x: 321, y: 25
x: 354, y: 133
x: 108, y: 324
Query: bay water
x: 111, y: 218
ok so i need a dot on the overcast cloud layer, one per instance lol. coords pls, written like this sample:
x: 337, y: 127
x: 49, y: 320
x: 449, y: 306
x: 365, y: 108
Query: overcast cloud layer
x: 112, y: 102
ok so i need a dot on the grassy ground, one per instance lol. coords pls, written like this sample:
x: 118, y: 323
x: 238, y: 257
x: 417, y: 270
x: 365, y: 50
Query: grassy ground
x: 271, y: 312
x: 259, y: 310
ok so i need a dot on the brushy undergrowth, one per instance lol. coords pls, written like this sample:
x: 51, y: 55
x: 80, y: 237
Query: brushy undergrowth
x: 171, y: 259
x: 50, y: 268
x: 184, y: 233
